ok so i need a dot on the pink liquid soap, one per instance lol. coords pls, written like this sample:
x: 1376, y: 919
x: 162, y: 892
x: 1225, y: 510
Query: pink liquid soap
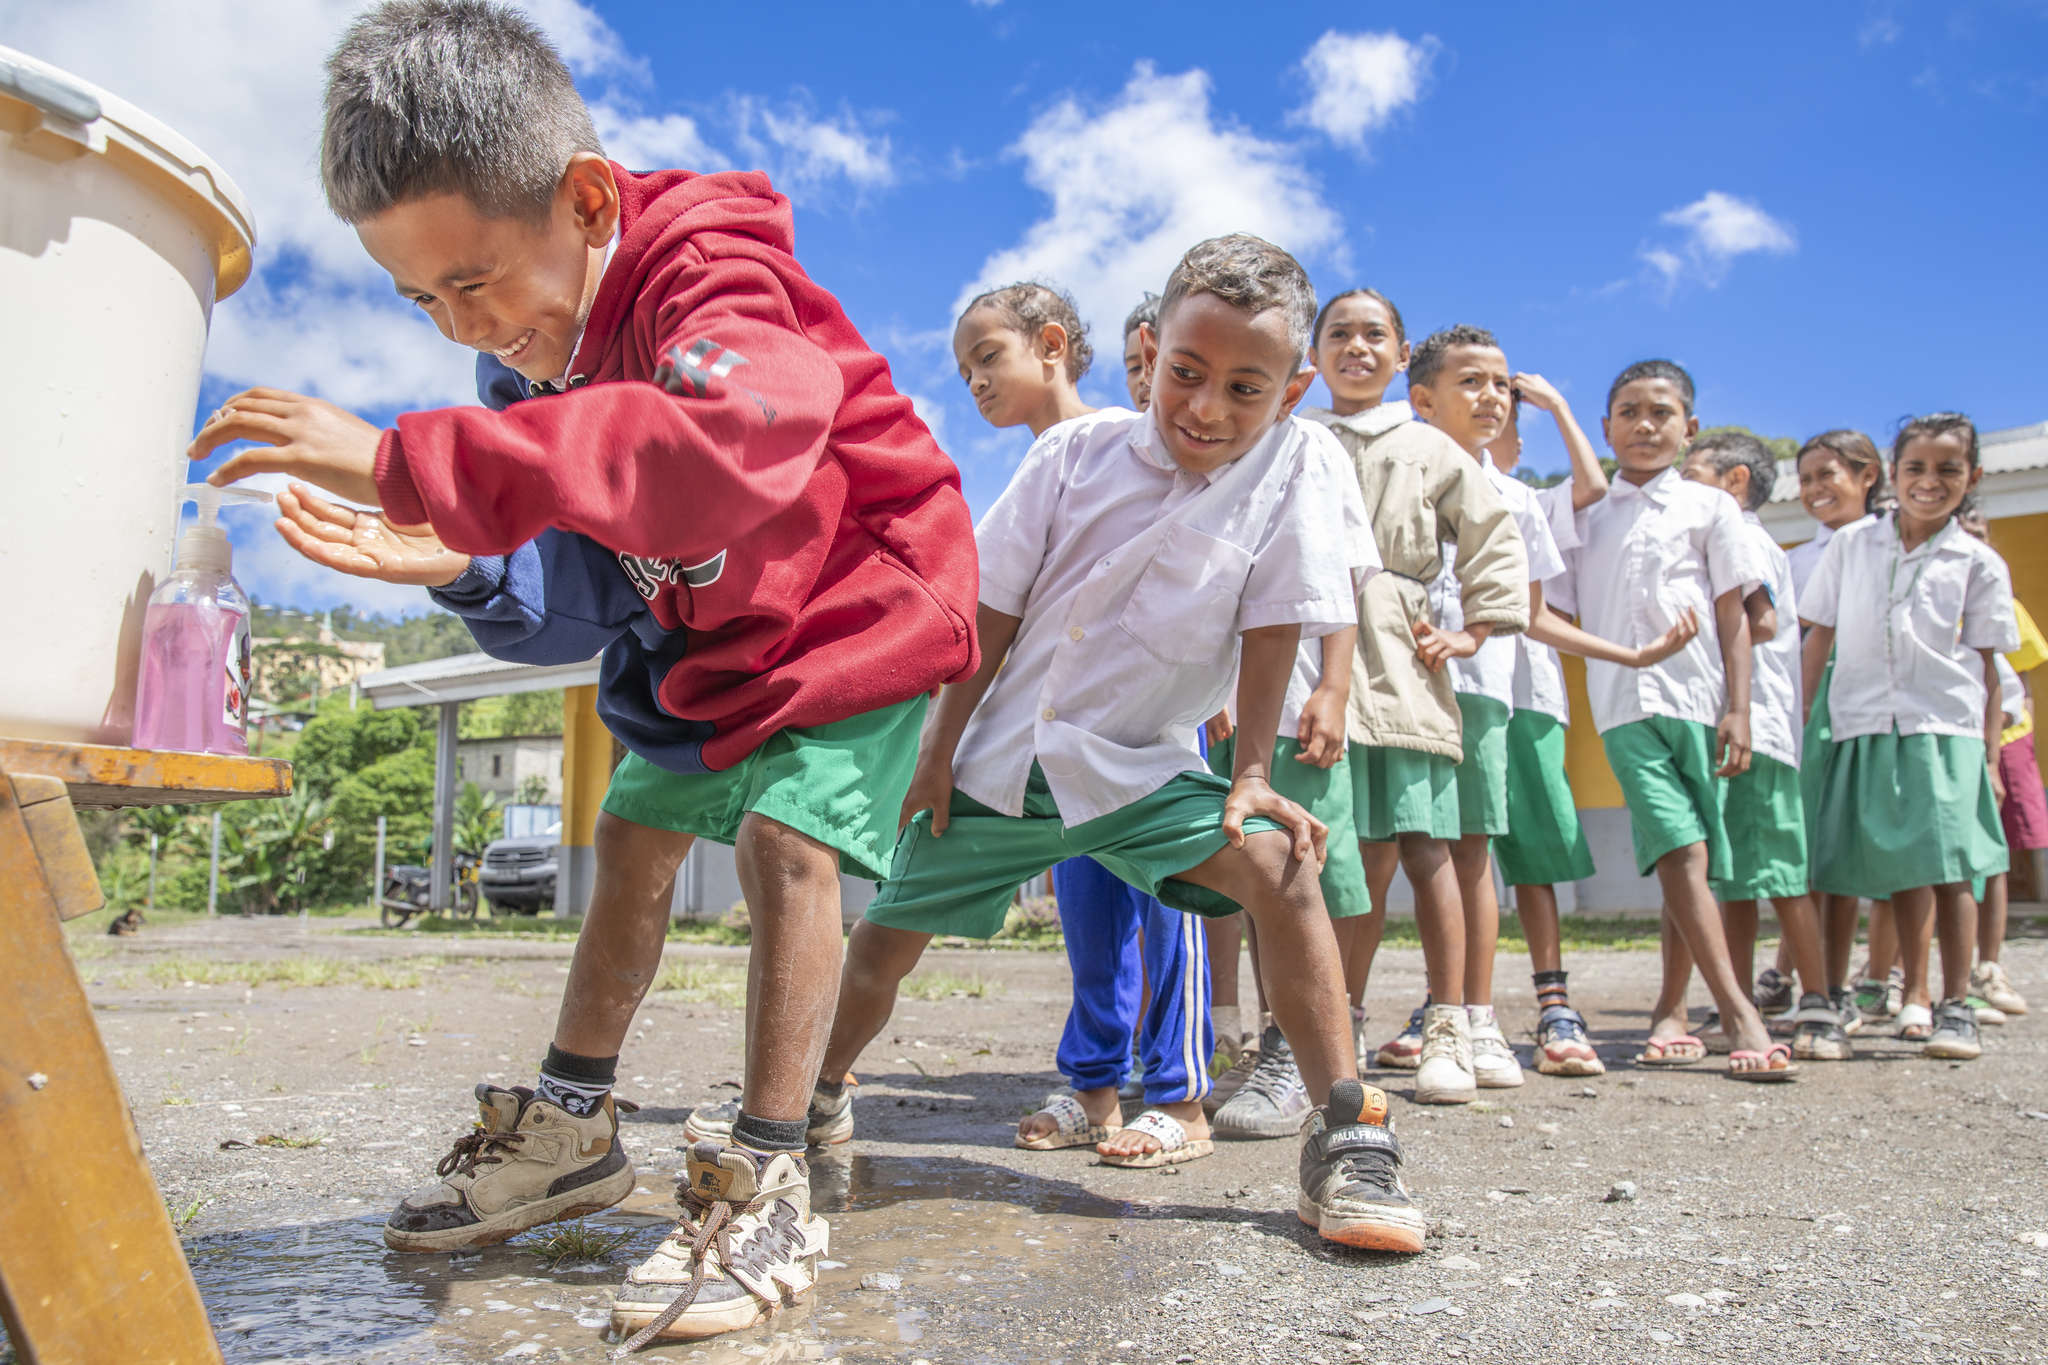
x: 194, y: 691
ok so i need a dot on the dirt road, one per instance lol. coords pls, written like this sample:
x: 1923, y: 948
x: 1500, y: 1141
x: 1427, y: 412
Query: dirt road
x: 1887, y: 1209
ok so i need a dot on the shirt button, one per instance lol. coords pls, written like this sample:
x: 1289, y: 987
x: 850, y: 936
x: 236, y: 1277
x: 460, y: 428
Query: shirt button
x: 1076, y: 633
x: 1049, y: 714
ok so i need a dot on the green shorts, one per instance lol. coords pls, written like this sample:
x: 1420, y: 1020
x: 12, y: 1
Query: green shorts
x: 1899, y: 812
x: 842, y: 784
x: 1403, y: 791
x: 1766, y: 823
x: 962, y: 882
x: 1666, y: 770
x: 1545, y: 844
x: 1483, y: 776
x: 1326, y: 794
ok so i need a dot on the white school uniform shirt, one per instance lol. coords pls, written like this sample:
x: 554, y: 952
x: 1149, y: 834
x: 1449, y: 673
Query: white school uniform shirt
x: 1357, y: 533
x: 1908, y: 628
x: 1491, y: 671
x: 1134, y: 579
x: 1647, y: 553
x: 1775, y: 701
x: 1539, y: 676
x: 1806, y: 558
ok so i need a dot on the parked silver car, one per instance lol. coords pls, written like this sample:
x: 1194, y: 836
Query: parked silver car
x: 519, y: 873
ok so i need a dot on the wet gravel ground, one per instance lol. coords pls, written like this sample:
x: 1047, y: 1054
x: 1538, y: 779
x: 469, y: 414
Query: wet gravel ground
x: 1886, y: 1209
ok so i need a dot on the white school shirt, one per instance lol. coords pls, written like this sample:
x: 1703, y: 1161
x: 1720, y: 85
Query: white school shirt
x: 1308, y: 662
x: 1647, y: 553
x: 1491, y: 671
x: 1775, y: 701
x: 1134, y: 579
x: 1539, y: 676
x: 1806, y: 558
x: 1908, y: 628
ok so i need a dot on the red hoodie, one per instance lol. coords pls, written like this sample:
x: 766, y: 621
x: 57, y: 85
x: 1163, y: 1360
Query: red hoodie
x: 742, y: 450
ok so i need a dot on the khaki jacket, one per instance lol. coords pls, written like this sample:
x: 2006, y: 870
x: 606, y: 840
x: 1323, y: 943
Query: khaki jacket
x: 1421, y: 491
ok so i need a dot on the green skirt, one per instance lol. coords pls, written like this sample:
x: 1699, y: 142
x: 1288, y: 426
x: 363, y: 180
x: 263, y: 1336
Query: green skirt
x: 1766, y: 833
x: 1326, y: 794
x: 1545, y: 843
x: 1899, y: 812
x: 1483, y: 776
x: 1403, y: 791
x: 1819, y: 737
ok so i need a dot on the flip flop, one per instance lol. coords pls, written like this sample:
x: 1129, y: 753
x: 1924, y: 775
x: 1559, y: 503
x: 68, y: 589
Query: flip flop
x: 1777, y: 1064
x: 1682, y: 1050
x: 1174, y: 1145
x: 1071, y: 1126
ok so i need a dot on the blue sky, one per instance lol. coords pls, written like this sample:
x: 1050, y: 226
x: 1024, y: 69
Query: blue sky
x: 1831, y: 213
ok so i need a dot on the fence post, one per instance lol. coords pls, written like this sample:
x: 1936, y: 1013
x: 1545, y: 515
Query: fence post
x: 377, y: 882
x: 152, y: 872
x: 213, y: 871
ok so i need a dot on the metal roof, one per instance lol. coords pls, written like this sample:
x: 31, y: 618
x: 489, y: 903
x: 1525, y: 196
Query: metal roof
x: 466, y: 677
x: 2015, y: 482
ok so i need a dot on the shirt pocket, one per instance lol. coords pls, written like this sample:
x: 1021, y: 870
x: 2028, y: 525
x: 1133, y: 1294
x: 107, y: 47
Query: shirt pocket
x: 1184, y: 605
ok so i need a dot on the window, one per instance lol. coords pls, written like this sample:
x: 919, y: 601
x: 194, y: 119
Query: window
x: 497, y: 765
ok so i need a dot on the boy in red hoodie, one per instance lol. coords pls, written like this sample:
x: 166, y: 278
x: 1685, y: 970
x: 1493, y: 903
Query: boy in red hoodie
x: 689, y: 460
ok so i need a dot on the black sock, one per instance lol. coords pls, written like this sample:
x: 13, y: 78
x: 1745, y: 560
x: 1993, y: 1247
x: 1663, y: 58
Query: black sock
x: 769, y: 1135
x: 831, y: 1090
x: 578, y: 1084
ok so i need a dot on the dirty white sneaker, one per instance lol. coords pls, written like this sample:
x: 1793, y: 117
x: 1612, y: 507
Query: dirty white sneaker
x: 747, y: 1245
x: 1988, y: 981
x: 1493, y: 1061
x: 528, y: 1161
x: 1444, y: 1075
x: 1351, y: 1190
x: 828, y: 1123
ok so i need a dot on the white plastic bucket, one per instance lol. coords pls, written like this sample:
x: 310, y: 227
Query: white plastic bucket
x: 116, y: 237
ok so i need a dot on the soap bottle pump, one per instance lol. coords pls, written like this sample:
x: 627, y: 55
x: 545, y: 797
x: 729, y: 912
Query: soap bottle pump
x: 194, y: 691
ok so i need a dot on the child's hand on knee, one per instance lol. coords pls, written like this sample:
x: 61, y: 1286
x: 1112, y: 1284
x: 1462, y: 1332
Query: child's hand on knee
x: 1251, y: 795
x: 931, y: 788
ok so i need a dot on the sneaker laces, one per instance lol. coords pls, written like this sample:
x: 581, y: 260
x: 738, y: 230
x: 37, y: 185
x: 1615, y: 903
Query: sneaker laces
x: 1376, y: 1169
x: 476, y: 1147
x: 707, y: 1224
x: 1273, y: 1075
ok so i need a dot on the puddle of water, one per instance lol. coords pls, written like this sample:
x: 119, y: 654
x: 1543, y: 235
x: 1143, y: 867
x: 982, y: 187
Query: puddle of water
x: 994, y: 1247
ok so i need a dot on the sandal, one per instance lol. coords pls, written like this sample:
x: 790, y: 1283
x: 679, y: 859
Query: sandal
x: 1916, y: 1023
x: 1071, y: 1126
x: 1174, y: 1145
x: 1774, y: 1063
x: 1683, y: 1050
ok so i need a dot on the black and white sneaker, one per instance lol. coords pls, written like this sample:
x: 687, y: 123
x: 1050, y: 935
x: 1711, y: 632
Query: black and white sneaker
x: 1273, y: 1102
x: 1351, y: 1190
x: 1773, y: 993
x: 1955, y: 1033
x: 1845, y: 1004
x: 1817, y: 1032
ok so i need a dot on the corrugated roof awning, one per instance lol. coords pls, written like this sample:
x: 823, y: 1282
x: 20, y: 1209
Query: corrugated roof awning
x: 466, y: 677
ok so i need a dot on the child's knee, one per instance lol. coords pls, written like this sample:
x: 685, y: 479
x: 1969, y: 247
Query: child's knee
x: 783, y: 855
x: 879, y: 956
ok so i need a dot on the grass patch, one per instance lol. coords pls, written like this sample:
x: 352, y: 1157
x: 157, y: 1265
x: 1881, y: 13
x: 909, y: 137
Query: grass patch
x: 708, y: 983
x: 940, y: 985
x: 573, y: 1243
x: 182, y: 1218
x: 290, y: 972
x: 294, y: 1143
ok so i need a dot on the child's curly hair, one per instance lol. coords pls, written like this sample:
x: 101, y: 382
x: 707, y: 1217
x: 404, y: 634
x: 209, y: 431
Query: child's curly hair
x: 1028, y: 306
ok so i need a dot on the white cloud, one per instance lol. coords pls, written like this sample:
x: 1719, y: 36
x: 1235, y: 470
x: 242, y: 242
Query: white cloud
x: 1880, y: 30
x: 1717, y: 229
x: 1135, y: 184
x: 644, y: 141
x: 803, y: 151
x: 1359, y: 81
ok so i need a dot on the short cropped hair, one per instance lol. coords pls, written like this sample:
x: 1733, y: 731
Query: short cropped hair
x: 448, y: 96
x: 1428, y: 360
x: 1146, y: 314
x: 1654, y: 369
x: 1932, y: 426
x: 1724, y: 450
x: 1251, y: 275
x: 1028, y: 306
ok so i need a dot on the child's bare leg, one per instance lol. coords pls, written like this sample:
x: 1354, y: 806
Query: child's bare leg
x: 1884, y: 938
x: 1226, y: 936
x: 791, y: 882
x: 1842, y: 914
x: 877, y: 960
x: 1536, y: 911
x: 1912, y: 915
x: 1251, y: 946
x: 1800, y: 936
x: 618, y: 949
x: 1690, y: 905
x: 1381, y: 862
x: 1297, y: 950
x: 1991, y: 918
x: 1473, y: 863
x: 1667, y: 1016
x: 1439, y: 915
x: 1738, y: 923
x: 1955, y: 912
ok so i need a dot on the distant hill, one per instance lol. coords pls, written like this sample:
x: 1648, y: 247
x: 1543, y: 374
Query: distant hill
x: 433, y: 634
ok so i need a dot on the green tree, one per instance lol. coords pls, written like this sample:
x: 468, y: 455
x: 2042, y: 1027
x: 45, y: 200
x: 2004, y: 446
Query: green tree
x: 478, y: 820
x: 340, y: 741
x: 273, y: 853
x: 1783, y: 447
x: 533, y: 790
x: 399, y: 786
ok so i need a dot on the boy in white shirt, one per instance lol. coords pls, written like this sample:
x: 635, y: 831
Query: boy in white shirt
x: 1131, y: 562
x: 1653, y: 549
x: 1766, y: 820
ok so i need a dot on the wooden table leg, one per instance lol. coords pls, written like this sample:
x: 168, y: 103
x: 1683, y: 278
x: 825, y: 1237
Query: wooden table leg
x: 90, y: 1267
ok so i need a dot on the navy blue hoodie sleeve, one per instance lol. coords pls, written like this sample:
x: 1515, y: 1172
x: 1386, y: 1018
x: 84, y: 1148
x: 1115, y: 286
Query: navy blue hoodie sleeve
x: 558, y: 599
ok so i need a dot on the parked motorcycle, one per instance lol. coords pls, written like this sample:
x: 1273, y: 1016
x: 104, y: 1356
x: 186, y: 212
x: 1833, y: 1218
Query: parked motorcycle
x: 408, y: 891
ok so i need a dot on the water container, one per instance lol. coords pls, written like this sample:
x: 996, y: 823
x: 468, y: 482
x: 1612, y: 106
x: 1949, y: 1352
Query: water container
x: 116, y: 238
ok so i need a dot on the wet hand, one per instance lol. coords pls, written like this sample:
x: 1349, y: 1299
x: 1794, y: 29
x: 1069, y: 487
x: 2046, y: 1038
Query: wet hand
x: 305, y: 438
x: 1671, y: 641
x: 1321, y: 732
x: 1731, y: 741
x: 1438, y: 647
x: 931, y: 788
x: 1250, y: 795
x: 363, y: 543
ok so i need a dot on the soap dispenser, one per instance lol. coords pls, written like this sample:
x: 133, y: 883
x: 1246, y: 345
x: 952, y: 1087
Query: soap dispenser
x: 194, y: 691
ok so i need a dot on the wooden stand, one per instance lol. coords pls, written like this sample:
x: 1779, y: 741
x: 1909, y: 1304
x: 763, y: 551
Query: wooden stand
x: 90, y: 1266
